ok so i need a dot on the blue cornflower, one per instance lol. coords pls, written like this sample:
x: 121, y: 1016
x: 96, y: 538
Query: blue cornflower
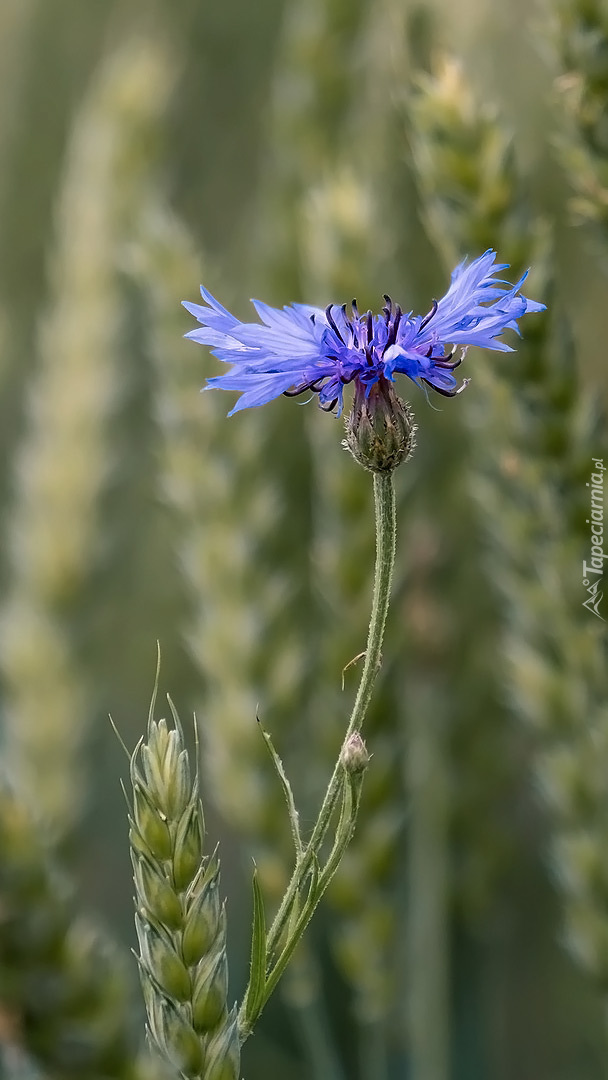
x: 303, y: 348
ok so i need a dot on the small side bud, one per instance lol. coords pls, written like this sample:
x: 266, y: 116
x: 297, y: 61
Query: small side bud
x: 380, y: 428
x: 354, y: 756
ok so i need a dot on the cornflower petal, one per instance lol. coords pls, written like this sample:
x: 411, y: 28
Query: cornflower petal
x: 301, y: 348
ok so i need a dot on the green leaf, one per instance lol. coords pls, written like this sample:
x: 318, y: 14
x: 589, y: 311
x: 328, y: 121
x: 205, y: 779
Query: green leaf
x: 255, y: 996
x: 294, y: 820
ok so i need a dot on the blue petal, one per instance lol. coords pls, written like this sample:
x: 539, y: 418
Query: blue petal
x: 258, y: 389
x: 475, y: 310
x: 301, y: 345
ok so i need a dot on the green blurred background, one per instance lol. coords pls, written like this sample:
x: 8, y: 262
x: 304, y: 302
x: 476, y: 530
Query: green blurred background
x: 311, y: 150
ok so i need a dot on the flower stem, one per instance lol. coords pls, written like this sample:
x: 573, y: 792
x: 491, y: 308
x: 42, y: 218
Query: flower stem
x: 340, y: 783
x: 386, y: 532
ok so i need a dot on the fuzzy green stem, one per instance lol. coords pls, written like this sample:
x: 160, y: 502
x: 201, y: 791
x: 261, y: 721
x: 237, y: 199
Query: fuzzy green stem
x: 384, y: 502
x: 346, y: 828
x: 386, y: 534
x: 386, y: 530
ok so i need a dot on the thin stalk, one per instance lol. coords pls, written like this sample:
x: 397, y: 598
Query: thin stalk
x: 427, y: 999
x: 384, y: 504
x: 373, y: 1059
x: 317, y: 1042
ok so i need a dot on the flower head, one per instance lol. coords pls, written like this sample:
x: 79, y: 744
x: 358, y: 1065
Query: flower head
x: 303, y: 348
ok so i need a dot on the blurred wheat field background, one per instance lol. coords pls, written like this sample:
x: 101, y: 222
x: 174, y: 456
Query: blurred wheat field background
x: 304, y: 150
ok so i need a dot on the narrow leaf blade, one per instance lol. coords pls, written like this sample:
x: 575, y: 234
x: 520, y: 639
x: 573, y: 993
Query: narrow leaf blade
x: 289, y: 799
x: 255, y: 996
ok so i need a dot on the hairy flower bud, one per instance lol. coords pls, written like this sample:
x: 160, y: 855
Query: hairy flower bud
x: 354, y: 756
x: 380, y: 427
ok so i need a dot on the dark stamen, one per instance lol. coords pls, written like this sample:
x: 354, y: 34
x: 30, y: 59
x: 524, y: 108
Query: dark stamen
x: 330, y: 405
x: 331, y: 322
x: 370, y: 327
x: 316, y: 385
x: 448, y: 393
x: 349, y: 323
x: 447, y: 362
x: 355, y: 323
x: 440, y: 389
x: 428, y: 317
x: 392, y: 330
x: 297, y: 390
